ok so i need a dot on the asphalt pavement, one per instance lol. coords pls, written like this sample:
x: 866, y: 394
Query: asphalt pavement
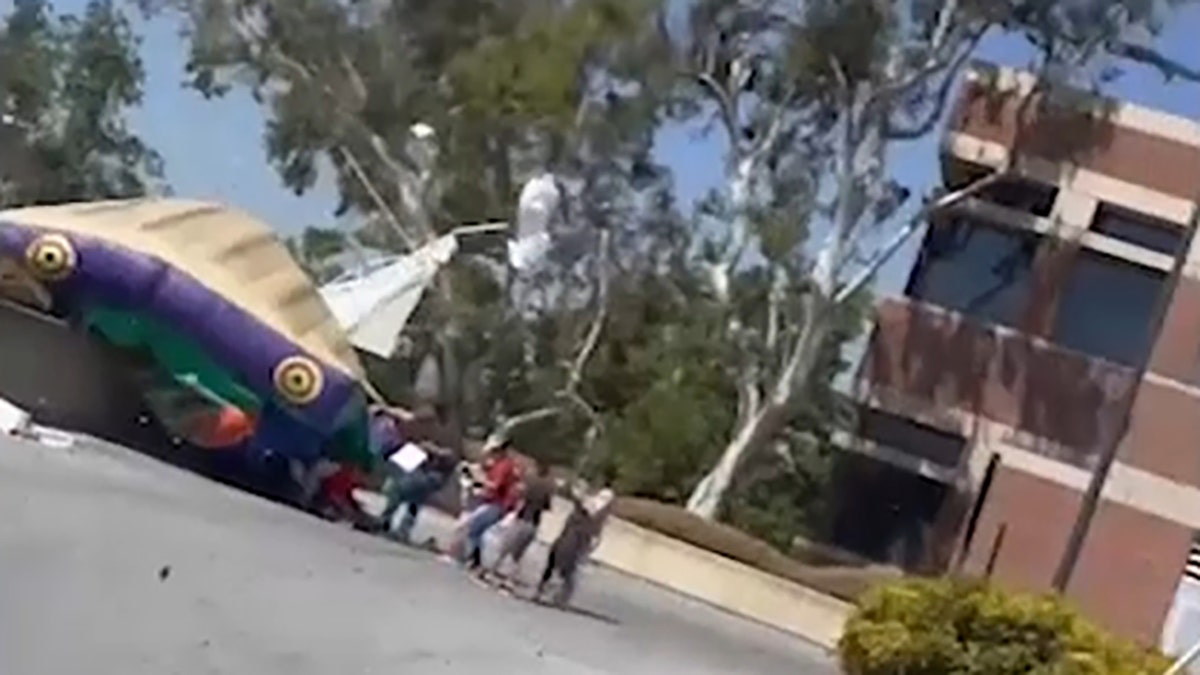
x: 111, y: 562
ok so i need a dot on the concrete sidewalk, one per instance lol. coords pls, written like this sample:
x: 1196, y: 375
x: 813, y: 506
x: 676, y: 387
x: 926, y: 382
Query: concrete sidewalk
x: 699, y: 574
x: 113, y: 563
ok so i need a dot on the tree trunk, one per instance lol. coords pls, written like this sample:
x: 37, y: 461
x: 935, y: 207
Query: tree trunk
x: 705, y: 501
x: 770, y: 418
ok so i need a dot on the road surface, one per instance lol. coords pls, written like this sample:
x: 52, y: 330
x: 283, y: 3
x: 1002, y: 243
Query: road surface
x: 113, y: 563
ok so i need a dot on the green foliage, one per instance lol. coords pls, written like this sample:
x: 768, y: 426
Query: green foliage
x: 316, y: 249
x: 67, y: 82
x: 942, y: 627
x: 538, y: 75
x: 661, y: 443
x: 783, y: 500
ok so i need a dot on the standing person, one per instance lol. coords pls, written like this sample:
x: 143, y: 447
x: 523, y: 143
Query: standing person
x: 535, y: 500
x: 566, y: 551
x: 579, y: 537
x: 599, y: 506
x: 500, y: 493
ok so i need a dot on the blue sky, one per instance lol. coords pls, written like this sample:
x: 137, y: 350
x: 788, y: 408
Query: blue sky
x: 213, y: 149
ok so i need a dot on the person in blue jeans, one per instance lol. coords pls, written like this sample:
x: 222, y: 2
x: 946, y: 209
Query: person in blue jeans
x: 501, y: 492
x: 413, y: 489
x: 389, y: 433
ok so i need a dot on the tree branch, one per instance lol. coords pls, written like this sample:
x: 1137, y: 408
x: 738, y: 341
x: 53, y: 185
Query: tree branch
x: 382, y: 205
x: 570, y: 391
x: 889, y: 249
x: 386, y: 156
x: 749, y: 396
x: 775, y: 297
x: 936, y: 60
x: 802, y: 350
x: 941, y: 98
x: 504, y: 431
x: 725, y: 102
x: 945, y: 21
x: 592, y: 337
x: 839, y: 74
x: 1168, y: 67
x: 770, y: 137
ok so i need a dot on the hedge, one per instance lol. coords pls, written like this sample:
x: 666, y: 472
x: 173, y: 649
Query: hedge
x: 943, y: 627
x: 845, y: 582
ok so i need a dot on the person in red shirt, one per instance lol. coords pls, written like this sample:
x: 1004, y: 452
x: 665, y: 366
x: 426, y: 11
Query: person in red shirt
x: 337, y: 500
x: 501, y: 494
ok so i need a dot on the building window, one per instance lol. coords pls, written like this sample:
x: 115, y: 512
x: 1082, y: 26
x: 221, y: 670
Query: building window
x: 1107, y: 308
x: 908, y: 435
x: 976, y: 269
x: 1138, y: 229
x: 1014, y: 192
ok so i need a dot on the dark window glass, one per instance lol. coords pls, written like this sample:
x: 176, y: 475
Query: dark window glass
x: 976, y: 269
x: 1107, y: 308
x: 1014, y: 192
x: 910, y: 436
x: 1137, y: 228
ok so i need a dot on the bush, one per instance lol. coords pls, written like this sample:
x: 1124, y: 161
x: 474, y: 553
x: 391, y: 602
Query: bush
x: 730, y: 542
x: 942, y: 627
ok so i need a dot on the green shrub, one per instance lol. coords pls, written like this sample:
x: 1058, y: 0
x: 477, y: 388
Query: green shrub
x: 941, y: 627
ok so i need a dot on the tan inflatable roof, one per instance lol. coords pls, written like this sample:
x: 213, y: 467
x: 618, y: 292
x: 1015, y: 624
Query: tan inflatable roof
x: 226, y: 250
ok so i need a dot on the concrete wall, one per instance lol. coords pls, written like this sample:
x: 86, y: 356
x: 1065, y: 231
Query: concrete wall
x: 713, y: 579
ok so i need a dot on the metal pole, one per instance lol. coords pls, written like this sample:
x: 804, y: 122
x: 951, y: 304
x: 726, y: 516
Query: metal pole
x: 1185, y: 660
x: 1095, y: 488
x: 482, y: 228
x: 380, y: 203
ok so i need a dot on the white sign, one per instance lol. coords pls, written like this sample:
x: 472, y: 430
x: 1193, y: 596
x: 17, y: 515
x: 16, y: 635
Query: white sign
x: 409, y: 457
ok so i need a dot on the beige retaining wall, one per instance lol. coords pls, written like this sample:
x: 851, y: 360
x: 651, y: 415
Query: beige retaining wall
x: 692, y: 571
x: 714, y: 579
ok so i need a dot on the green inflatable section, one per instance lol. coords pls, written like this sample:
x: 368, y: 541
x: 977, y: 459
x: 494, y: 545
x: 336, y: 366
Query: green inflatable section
x: 188, y: 364
x: 180, y: 356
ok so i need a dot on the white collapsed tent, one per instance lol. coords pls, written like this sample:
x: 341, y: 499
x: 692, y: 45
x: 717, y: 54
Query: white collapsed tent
x: 374, y: 301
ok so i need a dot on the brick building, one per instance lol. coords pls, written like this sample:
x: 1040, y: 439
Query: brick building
x: 1007, y: 367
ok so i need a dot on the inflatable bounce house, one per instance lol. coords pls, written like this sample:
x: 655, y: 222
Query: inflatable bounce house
x: 224, y: 338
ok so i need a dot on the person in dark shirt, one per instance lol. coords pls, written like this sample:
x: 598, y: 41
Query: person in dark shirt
x: 536, y: 496
x: 568, y: 550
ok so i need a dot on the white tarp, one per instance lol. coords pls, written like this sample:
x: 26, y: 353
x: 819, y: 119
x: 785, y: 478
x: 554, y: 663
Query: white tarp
x: 537, y: 207
x: 374, y: 303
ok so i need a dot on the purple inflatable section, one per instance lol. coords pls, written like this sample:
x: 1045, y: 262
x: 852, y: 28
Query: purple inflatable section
x: 103, y: 273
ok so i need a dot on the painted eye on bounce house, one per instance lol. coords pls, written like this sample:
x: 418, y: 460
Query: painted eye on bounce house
x: 299, y: 380
x: 50, y: 257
